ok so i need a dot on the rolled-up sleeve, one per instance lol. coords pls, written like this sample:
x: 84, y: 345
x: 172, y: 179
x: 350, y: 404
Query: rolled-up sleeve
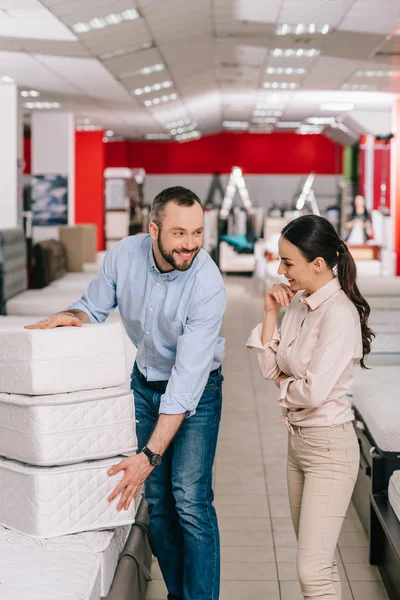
x: 195, y: 354
x: 100, y: 296
x: 266, y: 353
x: 335, y: 349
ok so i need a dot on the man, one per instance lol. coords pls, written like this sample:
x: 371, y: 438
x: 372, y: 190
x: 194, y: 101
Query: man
x: 171, y: 299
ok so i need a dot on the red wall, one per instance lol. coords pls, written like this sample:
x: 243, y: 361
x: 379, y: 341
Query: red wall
x: 89, y: 181
x: 396, y: 207
x: 276, y: 153
x: 27, y: 155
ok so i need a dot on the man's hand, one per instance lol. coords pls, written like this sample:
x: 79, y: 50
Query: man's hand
x: 137, y: 468
x: 279, y: 379
x: 73, y: 318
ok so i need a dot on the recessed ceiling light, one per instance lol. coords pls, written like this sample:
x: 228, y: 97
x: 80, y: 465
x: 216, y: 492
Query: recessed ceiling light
x: 379, y: 73
x: 280, y: 85
x: 285, y: 71
x: 30, y: 93
x: 268, y: 113
x: 337, y: 106
x: 320, y: 120
x: 288, y: 124
x: 235, y: 124
x: 264, y: 120
x: 160, y: 100
x: 153, y: 69
x: 157, y: 136
x: 42, y: 105
x: 269, y: 106
x: 309, y: 130
x: 191, y: 135
x: 358, y: 87
x: 302, y: 28
x: 295, y: 52
x: 108, y: 20
x: 6, y: 79
x: 148, y: 89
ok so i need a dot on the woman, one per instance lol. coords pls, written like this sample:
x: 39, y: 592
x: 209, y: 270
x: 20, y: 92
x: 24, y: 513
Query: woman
x: 324, y: 333
x: 360, y: 223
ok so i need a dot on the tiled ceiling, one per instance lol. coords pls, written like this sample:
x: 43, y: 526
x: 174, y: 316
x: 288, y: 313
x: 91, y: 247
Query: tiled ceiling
x: 223, y: 59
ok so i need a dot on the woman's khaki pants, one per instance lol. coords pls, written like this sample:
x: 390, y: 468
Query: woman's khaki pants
x: 322, y: 471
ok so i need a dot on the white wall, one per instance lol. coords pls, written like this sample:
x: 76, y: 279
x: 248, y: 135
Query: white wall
x: 9, y: 132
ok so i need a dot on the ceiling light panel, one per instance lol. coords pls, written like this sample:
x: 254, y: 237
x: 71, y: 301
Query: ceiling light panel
x: 156, y: 87
x: 280, y: 85
x: 302, y: 29
x: 29, y: 93
x: 42, y: 105
x: 158, y: 136
x: 107, y: 20
x: 288, y: 124
x: 285, y: 71
x: 358, y: 87
x: 160, y: 100
x: 377, y: 73
x: 239, y: 125
x: 295, y: 52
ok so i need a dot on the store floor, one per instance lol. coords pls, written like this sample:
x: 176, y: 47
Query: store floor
x: 258, y: 544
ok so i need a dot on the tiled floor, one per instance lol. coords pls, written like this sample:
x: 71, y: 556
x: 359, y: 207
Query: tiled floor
x: 258, y: 543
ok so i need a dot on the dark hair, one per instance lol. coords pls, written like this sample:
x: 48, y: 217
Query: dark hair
x: 315, y: 236
x: 180, y: 195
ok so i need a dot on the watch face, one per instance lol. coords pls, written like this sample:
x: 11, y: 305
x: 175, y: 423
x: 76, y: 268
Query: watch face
x: 156, y: 460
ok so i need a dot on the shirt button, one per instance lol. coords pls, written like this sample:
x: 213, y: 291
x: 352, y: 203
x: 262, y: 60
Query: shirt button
x: 157, y: 283
x: 149, y: 351
x: 151, y: 309
x: 147, y: 332
x: 150, y: 368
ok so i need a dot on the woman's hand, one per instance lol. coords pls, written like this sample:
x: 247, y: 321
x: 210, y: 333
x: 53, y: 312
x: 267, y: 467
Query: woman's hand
x: 277, y: 296
x: 280, y: 379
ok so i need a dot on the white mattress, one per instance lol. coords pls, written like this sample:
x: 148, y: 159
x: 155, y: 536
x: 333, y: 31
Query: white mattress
x: 65, y: 428
x: 38, y: 575
x: 43, y: 302
x: 394, y: 492
x: 47, y: 502
x: 65, y: 359
x: 107, y: 545
x: 376, y: 397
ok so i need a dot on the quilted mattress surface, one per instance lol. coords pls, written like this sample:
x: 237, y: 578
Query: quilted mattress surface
x: 65, y: 359
x: 65, y: 428
x: 38, y: 575
x: 107, y: 545
x: 394, y: 492
x: 375, y: 395
x: 47, y: 502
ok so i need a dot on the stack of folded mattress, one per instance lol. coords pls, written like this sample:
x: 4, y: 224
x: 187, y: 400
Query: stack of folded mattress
x: 64, y: 421
x: 394, y: 493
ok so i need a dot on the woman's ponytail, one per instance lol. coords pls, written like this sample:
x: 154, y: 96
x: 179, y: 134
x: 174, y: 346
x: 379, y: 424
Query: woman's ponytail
x: 347, y: 275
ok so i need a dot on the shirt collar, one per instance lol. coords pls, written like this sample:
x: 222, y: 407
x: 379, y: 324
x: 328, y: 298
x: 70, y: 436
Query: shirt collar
x: 170, y: 275
x: 317, y: 298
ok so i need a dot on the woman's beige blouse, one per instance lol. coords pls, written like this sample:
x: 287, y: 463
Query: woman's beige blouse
x: 317, y: 346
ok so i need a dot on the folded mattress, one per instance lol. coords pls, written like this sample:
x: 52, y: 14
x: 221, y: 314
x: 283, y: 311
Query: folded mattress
x: 38, y: 575
x: 65, y: 359
x: 375, y: 395
x: 106, y: 545
x: 394, y: 493
x: 65, y: 428
x: 47, y: 502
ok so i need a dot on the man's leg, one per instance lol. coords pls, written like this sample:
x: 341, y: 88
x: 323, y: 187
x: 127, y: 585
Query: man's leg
x: 163, y: 519
x: 193, y: 456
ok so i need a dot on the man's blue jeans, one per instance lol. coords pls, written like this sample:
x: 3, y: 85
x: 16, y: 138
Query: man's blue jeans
x: 183, y: 522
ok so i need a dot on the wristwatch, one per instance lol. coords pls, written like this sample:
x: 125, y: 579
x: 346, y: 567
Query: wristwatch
x: 154, y: 459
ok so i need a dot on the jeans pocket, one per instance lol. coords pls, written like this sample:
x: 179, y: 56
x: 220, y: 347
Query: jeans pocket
x: 353, y: 461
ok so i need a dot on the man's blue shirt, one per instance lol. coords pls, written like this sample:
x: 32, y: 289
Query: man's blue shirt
x: 173, y: 318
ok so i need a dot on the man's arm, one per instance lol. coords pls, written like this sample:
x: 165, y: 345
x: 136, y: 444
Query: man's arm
x: 138, y: 468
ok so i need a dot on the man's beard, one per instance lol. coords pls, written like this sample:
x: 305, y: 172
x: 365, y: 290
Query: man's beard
x: 170, y: 258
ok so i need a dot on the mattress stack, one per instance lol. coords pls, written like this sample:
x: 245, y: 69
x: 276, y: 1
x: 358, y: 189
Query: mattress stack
x: 64, y: 421
x: 394, y: 493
